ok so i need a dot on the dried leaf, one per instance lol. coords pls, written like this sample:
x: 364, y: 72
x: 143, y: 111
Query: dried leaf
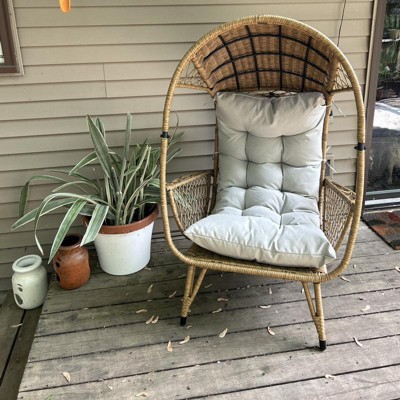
x: 270, y: 331
x: 187, y: 338
x: 181, y: 276
x: 150, y: 320
x: 155, y: 320
x: 207, y: 286
x: 16, y: 326
x: 142, y: 310
x: 222, y: 299
x: 169, y: 346
x: 397, y: 269
x: 328, y: 376
x: 217, y: 310
x: 148, y: 268
x: 223, y: 333
x: 189, y: 326
x: 149, y: 289
x: 67, y: 376
x: 302, y: 290
x: 344, y: 278
x: 354, y: 265
x: 110, y: 387
x: 264, y: 307
x: 366, y: 308
x: 142, y: 394
x: 269, y: 291
x: 172, y: 295
x: 358, y: 342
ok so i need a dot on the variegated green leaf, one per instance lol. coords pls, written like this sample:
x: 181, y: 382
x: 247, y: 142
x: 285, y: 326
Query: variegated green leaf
x: 85, y: 161
x: 95, y: 223
x: 100, y: 146
x: 51, y: 206
x: 66, y: 223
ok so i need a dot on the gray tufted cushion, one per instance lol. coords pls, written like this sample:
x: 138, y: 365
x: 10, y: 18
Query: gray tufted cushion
x: 269, y: 170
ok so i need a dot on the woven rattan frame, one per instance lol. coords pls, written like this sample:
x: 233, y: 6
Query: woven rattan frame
x: 261, y: 54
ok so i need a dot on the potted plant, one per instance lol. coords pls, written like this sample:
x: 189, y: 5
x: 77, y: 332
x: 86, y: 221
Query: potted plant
x: 118, y: 202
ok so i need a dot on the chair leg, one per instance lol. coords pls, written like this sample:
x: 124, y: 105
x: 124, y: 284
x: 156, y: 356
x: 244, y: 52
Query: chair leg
x: 191, y: 291
x: 317, y: 312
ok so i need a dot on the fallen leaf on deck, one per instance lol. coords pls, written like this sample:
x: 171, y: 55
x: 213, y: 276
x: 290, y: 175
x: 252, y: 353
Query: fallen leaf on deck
x: 148, y: 268
x: 67, y: 376
x: 16, y: 326
x: 269, y: 291
x: 187, y: 338
x: 181, y: 276
x: 222, y: 299
x: 328, y: 376
x: 150, y: 320
x: 142, y: 394
x: 264, y: 307
x: 142, y: 310
x: 302, y: 290
x: 155, y: 320
x: 358, y: 342
x: 270, y: 331
x: 110, y: 387
x: 397, y: 269
x: 223, y: 333
x: 366, y: 308
x: 344, y: 278
x: 189, y: 326
x: 354, y: 265
x: 172, y: 295
x: 149, y: 289
x: 207, y: 286
x: 216, y: 311
x: 169, y: 346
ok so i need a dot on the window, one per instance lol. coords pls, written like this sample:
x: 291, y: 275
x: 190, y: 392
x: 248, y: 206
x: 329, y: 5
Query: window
x: 10, y: 59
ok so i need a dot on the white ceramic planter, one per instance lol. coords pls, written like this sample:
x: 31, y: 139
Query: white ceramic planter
x: 29, y: 282
x: 125, y: 249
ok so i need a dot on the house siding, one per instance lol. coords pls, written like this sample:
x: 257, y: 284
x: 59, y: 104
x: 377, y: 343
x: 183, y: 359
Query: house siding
x: 109, y: 57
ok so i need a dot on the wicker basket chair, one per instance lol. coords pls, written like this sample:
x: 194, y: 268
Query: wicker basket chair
x: 253, y: 54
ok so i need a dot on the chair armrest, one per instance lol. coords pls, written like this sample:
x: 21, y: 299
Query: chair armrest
x: 337, y: 211
x: 190, y: 197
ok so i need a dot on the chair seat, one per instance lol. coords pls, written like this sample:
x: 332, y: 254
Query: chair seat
x: 225, y: 263
x: 264, y: 225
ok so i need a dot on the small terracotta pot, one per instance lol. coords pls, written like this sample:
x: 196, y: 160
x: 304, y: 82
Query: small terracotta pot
x: 71, y: 263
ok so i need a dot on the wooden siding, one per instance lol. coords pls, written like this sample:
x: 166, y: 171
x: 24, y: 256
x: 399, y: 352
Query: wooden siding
x: 113, y: 56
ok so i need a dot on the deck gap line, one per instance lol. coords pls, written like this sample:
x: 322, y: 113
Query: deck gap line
x: 225, y: 360
x: 233, y: 309
x: 291, y: 382
x: 211, y: 336
x: 219, y: 292
x: 210, y: 274
x: 16, y: 336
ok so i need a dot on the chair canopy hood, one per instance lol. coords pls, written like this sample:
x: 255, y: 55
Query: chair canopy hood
x: 265, y: 53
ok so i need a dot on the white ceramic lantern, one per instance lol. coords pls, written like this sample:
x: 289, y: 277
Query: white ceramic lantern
x: 29, y: 282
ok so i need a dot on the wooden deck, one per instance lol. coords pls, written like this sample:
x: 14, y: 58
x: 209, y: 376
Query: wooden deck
x: 96, y: 336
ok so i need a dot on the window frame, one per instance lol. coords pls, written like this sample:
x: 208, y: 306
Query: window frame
x: 9, y: 41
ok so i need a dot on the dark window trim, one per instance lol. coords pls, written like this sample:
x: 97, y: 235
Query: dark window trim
x: 7, y: 41
x: 373, y: 82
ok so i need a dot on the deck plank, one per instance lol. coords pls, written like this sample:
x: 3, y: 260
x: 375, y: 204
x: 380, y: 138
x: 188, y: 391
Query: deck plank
x: 206, y: 347
x: 233, y: 375
x: 95, y: 334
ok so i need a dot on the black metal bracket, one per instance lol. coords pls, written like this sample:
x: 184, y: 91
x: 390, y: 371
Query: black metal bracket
x: 165, y: 135
x: 360, y: 146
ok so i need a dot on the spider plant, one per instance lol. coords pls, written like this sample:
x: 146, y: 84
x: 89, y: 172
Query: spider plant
x: 125, y: 190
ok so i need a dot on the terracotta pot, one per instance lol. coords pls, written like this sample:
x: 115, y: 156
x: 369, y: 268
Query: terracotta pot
x: 125, y: 249
x: 71, y: 263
